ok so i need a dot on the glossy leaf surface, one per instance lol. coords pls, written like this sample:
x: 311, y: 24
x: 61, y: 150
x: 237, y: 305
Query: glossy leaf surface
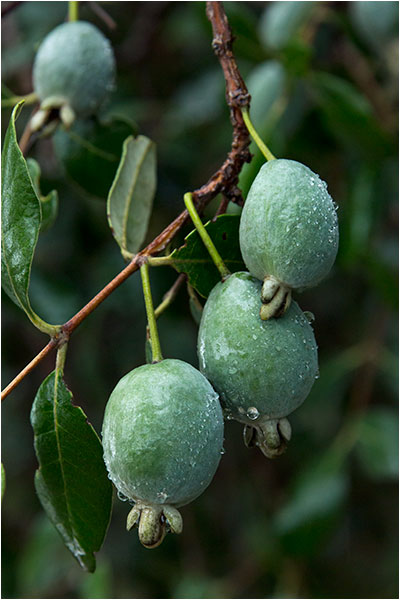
x: 71, y: 481
x: 20, y: 220
x: 131, y: 196
x: 194, y: 259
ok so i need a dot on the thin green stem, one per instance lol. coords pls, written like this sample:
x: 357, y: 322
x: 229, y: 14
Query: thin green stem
x: 13, y: 100
x: 73, y: 11
x: 209, y: 244
x: 168, y: 298
x: 264, y: 149
x: 151, y: 319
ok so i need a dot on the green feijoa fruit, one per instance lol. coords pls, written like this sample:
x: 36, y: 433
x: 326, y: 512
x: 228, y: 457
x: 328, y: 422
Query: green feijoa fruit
x: 162, y: 440
x: 288, y: 228
x: 262, y: 370
x: 73, y: 71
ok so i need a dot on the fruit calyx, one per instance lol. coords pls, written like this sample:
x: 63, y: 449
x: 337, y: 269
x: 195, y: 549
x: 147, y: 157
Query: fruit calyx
x: 57, y: 104
x: 153, y: 522
x: 275, y: 297
x: 270, y: 435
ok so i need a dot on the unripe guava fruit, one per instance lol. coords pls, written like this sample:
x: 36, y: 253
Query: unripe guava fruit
x: 74, y: 69
x: 262, y: 370
x: 162, y: 439
x: 288, y: 227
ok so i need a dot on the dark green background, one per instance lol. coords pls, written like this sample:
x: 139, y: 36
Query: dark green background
x: 322, y: 520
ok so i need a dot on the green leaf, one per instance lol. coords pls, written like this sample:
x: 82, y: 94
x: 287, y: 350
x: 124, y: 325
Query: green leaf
x: 378, y: 443
x: 71, y: 481
x: 49, y: 206
x: 266, y: 83
x: 49, y: 203
x: 20, y: 223
x: 130, y: 200
x: 349, y: 116
x: 281, y: 21
x: 90, y: 152
x: 376, y: 22
x: 316, y: 495
x: 194, y: 259
x: 35, y: 172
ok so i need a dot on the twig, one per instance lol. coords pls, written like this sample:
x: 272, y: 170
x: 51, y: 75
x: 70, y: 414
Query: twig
x: 29, y: 367
x: 170, y: 295
x: 223, y: 205
x: 7, y: 7
x: 103, y: 15
x: 26, y: 137
x: 223, y: 181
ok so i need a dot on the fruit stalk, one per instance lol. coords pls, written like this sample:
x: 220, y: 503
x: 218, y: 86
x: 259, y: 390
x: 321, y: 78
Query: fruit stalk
x: 263, y: 148
x: 73, y: 11
x: 151, y: 318
x: 209, y: 244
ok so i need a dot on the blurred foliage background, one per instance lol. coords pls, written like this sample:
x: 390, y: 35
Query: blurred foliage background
x: 321, y: 521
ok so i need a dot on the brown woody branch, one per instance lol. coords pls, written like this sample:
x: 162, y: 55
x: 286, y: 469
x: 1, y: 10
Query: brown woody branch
x: 223, y: 181
x: 7, y: 7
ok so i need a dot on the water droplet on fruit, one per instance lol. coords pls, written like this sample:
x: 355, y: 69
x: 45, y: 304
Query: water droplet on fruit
x: 309, y: 316
x: 252, y: 413
x: 122, y: 496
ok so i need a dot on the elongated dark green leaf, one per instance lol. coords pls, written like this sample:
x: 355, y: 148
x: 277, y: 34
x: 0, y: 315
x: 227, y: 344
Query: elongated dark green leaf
x: 281, y: 21
x: 266, y: 84
x: 194, y: 259
x: 49, y: 206
x: 131, y: 196
x: 34, y: 171
x: 313, y: 503
x: 378, y: 443
x: 349, y: 115
x: 20, y: 220
x: 71, y: 481
x: 90, y: 152
x: 49, y: 203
